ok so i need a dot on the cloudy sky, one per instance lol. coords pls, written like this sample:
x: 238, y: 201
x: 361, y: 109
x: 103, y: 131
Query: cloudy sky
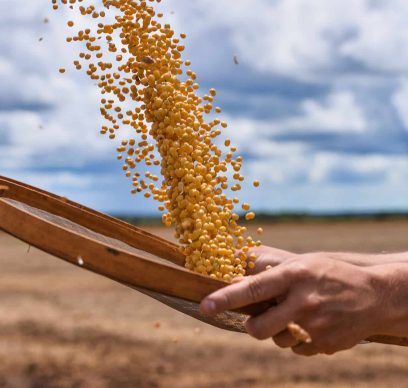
x: 318, y: 103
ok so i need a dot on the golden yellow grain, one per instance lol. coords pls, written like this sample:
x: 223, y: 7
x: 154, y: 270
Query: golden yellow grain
x: 250, y: 216
x: 136, y: 61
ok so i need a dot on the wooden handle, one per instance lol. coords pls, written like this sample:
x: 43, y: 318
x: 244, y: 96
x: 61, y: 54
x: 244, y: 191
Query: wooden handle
x: 104, y: 259
x: 93, y: 220
x: 3, y: 190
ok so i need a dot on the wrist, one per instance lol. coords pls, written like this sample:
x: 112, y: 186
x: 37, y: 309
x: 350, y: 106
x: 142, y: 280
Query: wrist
x: 390, y: 282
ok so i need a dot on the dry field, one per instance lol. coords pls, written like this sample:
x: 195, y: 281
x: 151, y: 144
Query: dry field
x: 61, y: 326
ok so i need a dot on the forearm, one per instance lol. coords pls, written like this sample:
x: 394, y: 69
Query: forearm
x: 366, y: 260
x: 392, y: 283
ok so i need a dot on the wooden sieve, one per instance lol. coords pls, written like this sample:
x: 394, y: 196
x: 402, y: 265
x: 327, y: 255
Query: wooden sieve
x: 117, y: 250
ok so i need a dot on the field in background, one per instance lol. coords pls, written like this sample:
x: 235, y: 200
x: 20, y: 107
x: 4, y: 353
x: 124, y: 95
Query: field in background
x: 61, y: 326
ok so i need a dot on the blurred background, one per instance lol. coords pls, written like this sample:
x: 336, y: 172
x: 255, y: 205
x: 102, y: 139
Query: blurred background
x: 316, y: 103
x: 315, y: 93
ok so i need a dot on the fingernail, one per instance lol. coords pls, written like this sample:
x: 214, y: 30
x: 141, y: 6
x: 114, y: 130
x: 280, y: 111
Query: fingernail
x: 208, y: 307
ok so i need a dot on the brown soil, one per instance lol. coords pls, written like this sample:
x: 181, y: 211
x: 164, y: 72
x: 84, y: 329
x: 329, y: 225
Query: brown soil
x: 61, y: 326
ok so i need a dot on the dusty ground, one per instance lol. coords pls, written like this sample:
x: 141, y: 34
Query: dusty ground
x: 61, y: 326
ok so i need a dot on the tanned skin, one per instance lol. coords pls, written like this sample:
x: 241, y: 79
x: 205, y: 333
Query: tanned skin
x: 340, y: 299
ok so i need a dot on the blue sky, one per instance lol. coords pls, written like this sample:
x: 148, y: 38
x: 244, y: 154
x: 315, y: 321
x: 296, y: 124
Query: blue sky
x: 318, y: 104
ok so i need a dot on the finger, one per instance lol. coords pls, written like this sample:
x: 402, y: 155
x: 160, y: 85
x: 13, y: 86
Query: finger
x: 237, y: 279
x: 259, y: 265
x: 305, y: 349
x: 277, y: 255
x: 285, y: 339
x: 252, y: 289
x: 267, y: 257
x: 271, y: 322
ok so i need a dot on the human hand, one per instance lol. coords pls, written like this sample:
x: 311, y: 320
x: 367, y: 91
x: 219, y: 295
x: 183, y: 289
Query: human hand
x: 337, y: 303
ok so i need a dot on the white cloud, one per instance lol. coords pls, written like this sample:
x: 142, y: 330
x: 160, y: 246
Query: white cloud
x: 339, y: 113
x: 400, y: 101
x: 381, y: 37
x: 293, y: 36
x: 327, y: 43
x: 304, y: 38
x: 361, y: 166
